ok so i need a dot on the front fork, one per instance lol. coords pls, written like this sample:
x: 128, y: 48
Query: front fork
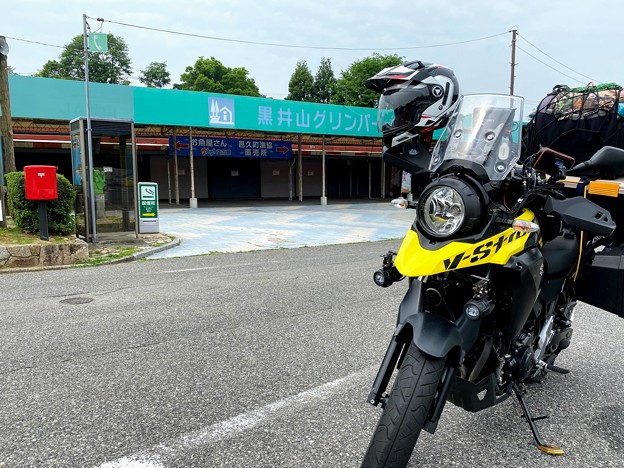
x: 434, y: 336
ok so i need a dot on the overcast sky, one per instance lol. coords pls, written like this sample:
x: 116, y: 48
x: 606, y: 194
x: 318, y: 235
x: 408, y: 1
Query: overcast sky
x: 582, y: 40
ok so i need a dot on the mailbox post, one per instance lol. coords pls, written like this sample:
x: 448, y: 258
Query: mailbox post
x: 41, y: 186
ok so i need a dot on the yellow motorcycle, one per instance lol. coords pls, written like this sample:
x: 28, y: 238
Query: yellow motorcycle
x: 493, y: 262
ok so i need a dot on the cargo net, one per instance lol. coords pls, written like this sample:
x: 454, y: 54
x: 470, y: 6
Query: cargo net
x: 577, y: 121
x: 584, y: 102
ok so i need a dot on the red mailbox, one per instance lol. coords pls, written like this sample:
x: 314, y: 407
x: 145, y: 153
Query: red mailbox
x: 40, y: 182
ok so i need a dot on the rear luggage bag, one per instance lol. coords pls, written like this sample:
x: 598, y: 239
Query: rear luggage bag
x: 577, y: 122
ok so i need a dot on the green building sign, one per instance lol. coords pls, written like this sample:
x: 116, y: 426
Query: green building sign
x: 46, y: 98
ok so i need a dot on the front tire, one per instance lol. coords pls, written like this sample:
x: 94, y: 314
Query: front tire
x: 405, y: 411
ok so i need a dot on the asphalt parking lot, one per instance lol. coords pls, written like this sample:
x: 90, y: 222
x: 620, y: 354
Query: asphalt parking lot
x: 256, y: 359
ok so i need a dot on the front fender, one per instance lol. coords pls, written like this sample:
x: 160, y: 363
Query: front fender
x: 431, y: 333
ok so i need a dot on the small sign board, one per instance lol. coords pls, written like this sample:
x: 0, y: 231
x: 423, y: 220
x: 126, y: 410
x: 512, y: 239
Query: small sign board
x: 98, y: 42
x: 148, y: 208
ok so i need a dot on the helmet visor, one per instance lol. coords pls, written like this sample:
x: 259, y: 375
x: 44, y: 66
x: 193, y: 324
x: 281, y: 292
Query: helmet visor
x: 402, y: 107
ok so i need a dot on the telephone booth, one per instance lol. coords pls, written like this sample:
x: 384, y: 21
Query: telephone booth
x: 106, y: 196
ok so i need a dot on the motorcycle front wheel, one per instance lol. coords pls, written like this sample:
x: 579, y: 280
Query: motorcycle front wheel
x: 405, y: 411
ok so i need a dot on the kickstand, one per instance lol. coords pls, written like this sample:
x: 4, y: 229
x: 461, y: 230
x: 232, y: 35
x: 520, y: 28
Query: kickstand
x: 544, y: 447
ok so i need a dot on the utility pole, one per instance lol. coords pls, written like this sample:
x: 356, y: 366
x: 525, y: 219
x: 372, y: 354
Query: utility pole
x: 514, y: 32
x: 91, y: 217
x: 6, y: 128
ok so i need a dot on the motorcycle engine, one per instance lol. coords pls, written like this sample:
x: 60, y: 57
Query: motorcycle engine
x: 521, y: 362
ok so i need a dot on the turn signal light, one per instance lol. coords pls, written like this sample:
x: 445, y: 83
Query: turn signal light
x: 521, y: 225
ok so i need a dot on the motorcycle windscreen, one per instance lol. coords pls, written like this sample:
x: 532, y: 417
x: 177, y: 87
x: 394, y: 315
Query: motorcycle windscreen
x: 485, y: 129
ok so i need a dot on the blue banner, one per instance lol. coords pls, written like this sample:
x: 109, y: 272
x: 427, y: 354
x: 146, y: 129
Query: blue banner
x: 232, y: 147
x: 76, y: 157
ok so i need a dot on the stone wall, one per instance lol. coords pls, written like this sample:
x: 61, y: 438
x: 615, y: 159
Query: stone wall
x: 36, y: 255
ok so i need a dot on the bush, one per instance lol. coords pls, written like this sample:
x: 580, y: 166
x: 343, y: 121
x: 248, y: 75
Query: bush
x: 25, y: 213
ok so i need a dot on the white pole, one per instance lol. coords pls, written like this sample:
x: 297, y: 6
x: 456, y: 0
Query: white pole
x: 300, y: 168
x: 193, y: 200
x: 323, y: 196
x: 175, y: 167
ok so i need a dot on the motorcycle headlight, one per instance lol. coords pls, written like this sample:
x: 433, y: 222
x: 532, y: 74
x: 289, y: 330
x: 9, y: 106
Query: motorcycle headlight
x: 442, y: 211
x: 448, y: 207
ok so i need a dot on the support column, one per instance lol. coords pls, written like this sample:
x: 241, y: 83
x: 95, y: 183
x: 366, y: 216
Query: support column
x: 193, y: 200
x: 370, y: 180
x: 135, y: 181
x: 324, y: 193
x: 300, y: 168
x: 350, y: 164
x: 125, y: 190
x: 168, y: 179
x: 291, y: 166
x: 383, y: 179
x: 175, y: 168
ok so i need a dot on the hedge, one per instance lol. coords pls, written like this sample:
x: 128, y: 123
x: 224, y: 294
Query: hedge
x: 25, y: 213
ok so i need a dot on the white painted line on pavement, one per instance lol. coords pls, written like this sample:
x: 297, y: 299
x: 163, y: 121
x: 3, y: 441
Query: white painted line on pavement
x: 220, y: 267
x: 153, y: 456
x: 131, y: 463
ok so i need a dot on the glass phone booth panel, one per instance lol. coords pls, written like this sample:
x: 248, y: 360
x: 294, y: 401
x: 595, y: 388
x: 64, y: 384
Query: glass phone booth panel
x: 113, y: 206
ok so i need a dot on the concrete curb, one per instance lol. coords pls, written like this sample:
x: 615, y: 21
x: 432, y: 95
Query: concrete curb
x: 130, y: 258
x: 143, y: 253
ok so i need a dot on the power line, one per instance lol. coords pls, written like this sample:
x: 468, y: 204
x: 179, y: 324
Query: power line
x: 554, y: 59
x: 549, y: 66
x: 33, y: 42
x: 273, y: 44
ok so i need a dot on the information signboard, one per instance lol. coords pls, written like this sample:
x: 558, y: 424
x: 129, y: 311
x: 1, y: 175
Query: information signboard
x: 148, y: 208
x: 98, y: 42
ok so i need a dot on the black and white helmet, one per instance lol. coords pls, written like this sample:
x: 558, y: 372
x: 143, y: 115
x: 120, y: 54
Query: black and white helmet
x: 416, y: 97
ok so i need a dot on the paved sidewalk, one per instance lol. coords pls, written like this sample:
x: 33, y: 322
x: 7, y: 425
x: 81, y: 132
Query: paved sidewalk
x: 243, y: 227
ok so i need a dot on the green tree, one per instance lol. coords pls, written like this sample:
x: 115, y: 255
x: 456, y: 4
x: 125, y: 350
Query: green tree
x: 212, y: 76
x: 155, y: 75
x: 11, y: 70
x: 324, y: 82
x: 350, y: 89
x: 301, y: 84
x: 112, y: 67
